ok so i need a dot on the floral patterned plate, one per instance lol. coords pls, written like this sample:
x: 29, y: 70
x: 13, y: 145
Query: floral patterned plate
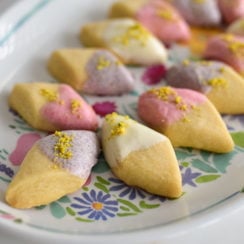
x: 105, y: 209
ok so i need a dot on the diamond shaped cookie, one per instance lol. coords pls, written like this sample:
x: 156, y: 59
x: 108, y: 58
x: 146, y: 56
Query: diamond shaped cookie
x: 219, y: 82
x: 90, y: 70
x: 49, y: 107
x: 140, y: 156
x: 186, y: 117
x: 55, y: 166
x: 125, y: 37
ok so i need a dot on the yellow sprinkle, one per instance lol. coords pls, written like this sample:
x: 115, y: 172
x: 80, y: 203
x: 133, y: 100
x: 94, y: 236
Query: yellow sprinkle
x: 165, y: 14
x: 169, y: 95
x: 236, y: 47
x: 182, y: 106
x: 135, y: 32
x: 228, y: 37
x: 185, y: 119
x: 117, y: 128
x: 63, y: 145
x: 186, y: 62
x: 110, y: 117
x: 222, y: 69
x: 75, y: 105
x: 50, y: 95
x: 198, y: 1
x: 162, y: 92
x: 118, y: 62
x: 216, y: 82
x: 103, y: 63
x: 178, y: 99
x: 55, y: 166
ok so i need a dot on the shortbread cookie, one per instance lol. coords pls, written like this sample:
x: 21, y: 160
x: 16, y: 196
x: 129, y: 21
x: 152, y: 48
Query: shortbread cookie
x: 199, y: 12
x: 127, y: 38
x: 228, y: 49
x: 237, y: 27
x: 222, y: 85
x: 92, y: 71
x: 186, y: 117
x: 231, y: 10
x: 140, y: 156
x: 162, y: 19
x: 50, y: 107
x: 55, y: 166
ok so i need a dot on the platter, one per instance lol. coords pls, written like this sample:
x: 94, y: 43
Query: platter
x: 212, y: 183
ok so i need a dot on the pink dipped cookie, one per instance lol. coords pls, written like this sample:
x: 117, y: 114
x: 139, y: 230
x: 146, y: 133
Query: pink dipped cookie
x: 186, y: 117
x: 219, y: 82
x: 228, y: 49
x: 90, y: 70
x: 199, y: 12
x: 50, y: 107
x: 161, y: 18
x: 231, y: 10
x: 55, y: 166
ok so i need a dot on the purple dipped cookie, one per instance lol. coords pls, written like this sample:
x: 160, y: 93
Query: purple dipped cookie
x: 231, y: 10
x: 199, y: 12
x: 92, y: 71
x: 219, y: 82
x: 55, y: 166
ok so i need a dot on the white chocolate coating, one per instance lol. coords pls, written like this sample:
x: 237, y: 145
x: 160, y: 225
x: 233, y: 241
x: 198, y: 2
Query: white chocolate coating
x: 152, y: 51
x: 135, y: 137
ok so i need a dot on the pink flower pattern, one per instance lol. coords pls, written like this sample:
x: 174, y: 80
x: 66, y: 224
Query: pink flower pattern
x: 154, y: 74
x: 104, y: 108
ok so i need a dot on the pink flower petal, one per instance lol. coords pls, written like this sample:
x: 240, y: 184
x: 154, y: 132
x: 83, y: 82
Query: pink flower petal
x: 23, y: 145
x: 88, y: 181
x: 153, y: 74
x: 104, y: 108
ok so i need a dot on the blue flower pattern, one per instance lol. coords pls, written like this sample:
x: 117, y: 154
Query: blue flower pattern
x: 131, y: 192
x: 5, y: 169
x: 188, y: 176
x: 96, y: 205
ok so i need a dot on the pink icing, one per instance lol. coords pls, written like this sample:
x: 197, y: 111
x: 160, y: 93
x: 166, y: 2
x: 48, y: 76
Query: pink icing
x: 157, y: 112
x: 166, y: 30
x: 231, y: 9
x: 217, y: 49
x: 61, y: 115
x: 23, y: 145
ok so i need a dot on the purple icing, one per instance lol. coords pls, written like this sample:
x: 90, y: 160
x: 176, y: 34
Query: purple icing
x: 194, y: 75
x: 107, y: 76
x: 85, y: 150
x: 204, y: 13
